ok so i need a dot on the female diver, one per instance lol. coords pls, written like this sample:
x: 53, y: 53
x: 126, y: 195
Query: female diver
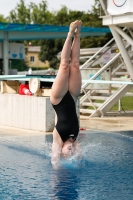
x: 64, y: 94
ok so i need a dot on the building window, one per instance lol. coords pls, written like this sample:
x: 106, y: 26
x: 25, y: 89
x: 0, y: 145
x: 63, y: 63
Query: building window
x: 32, y: 59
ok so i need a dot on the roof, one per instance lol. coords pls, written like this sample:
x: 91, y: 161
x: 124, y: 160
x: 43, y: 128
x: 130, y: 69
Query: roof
x: 34, y: 49
x: 18, y: 31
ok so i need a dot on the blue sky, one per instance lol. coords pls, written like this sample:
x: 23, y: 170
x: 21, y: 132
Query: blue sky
x: 83, y: 5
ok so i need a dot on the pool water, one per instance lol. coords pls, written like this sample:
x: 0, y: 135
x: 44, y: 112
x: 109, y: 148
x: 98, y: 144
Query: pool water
x: 105, y: 171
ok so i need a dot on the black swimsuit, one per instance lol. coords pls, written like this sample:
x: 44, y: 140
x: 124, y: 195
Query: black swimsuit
x: 67, y: 124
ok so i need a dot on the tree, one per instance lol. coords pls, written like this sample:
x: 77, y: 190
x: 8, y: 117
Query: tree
x: 49, y: 51
x: 40, y: 14
x: 32, y: 13
x: 20, y: 65
x: 96, y: 8
x: 93, y: 19
x: 61, y: 16
x: 21, y: 14
x: 3, y: 19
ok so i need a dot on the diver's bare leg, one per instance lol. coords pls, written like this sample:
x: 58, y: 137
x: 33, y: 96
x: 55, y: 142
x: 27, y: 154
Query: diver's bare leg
x: 75, y: 76
x: 60, y: 85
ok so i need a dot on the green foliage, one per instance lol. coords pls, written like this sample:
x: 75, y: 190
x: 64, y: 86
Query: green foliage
x: 20, y: 65
x: 96, y: 8
x: 91, y: 42
x: 49, y: 50
x: 3, y: 19
x: 32, y: 13
x: 40, y: 14
x: 54, y: 63
x: 20, y: 14
x: 61, y: 17
x: 126, y: 104
x: 38, y: 68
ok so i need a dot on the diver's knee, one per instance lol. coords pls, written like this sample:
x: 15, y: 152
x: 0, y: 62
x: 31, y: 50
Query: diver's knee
x: 75, y: 65
x: 64, y: 65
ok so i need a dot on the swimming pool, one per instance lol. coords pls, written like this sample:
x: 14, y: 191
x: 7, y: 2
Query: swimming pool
x: 104, y: 173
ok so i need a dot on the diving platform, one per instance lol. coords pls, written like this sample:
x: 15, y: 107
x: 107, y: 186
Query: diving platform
x: 123, y: 20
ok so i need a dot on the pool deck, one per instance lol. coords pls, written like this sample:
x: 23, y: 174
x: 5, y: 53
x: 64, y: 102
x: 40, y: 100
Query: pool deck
x: 104, y: 124
x: 108, y: 123
x: 11, y: 131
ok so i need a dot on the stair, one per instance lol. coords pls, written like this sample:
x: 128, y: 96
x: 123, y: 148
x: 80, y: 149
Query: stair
x: 90, y: 104
x: 121, y: 73
x: 88, y: 111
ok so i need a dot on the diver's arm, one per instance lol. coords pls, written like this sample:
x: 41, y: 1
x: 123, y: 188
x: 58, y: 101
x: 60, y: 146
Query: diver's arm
x: 56, y: 150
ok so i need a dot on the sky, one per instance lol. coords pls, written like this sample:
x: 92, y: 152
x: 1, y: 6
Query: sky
x: 53, y: 5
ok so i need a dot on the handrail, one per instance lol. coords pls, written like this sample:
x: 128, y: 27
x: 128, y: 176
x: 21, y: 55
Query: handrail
x: 96, y: 53
x: 103, y: 68
x: 99, y: 51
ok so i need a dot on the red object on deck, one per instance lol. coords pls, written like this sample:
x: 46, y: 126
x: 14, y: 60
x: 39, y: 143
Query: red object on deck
x: 24, y: 90
x: 81, y: 129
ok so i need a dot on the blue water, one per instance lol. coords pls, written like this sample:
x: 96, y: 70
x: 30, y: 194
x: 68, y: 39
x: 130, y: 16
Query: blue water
x: 104, y: 173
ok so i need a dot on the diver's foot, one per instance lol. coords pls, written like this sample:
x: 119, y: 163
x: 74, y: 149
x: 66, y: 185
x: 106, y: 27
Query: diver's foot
x: 72, y: 28
x: 78, y: 29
